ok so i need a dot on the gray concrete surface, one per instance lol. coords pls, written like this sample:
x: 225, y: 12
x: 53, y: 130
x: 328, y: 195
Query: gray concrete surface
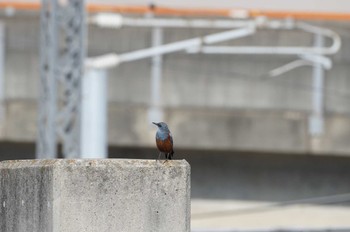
x: 94, y: 195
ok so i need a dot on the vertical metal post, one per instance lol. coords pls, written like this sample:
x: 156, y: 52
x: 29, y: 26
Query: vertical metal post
x: 94, y: 114
x: 316, y: 121
x: 71, y: 69
x: 62, y: 55
x: 46, y: 140
x: 155, y: 112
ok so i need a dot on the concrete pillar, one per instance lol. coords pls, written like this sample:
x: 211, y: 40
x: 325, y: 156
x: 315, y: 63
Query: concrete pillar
x: 94, y: 195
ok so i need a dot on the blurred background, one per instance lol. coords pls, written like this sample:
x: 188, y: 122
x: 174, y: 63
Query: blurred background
x: 256, y: 94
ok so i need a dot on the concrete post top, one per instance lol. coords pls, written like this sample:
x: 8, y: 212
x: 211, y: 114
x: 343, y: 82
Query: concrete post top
x: 92, y: 162
x: 63, y: 195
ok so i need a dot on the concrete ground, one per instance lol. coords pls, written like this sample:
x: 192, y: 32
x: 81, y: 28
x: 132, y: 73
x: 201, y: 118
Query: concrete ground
x: 233, y: 214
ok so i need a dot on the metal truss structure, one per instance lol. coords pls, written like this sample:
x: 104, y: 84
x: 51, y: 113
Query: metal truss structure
x: 61, y: 68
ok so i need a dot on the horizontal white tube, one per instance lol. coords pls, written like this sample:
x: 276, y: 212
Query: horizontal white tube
x: 263, y: 50
x: 186, y: 23
x: 117, y: 21
x: 185, y: 44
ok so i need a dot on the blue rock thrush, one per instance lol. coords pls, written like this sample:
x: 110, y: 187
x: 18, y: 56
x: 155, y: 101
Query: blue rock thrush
x: 164, y: 140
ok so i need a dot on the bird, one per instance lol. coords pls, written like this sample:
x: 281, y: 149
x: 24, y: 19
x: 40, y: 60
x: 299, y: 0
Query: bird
x: 164, y: 140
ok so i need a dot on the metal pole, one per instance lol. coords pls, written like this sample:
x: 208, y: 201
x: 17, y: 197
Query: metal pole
x: 155, y: 112
x: 94, y: 114
x: 62, y: 55
x: 316, y: 122
x: 46, y: 140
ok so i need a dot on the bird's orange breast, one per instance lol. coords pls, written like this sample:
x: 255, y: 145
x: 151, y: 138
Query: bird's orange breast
x: 165, y: 145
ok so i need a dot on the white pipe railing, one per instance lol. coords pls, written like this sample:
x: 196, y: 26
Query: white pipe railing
x: 111, y: 20
x: 320, y: 31
x: 110, y: 60
x: 309, y: 55
x: 292, y: 50
x: 258, y: 50
x: 290, y: 66
x: 196, y: 45
x: 317, y: 59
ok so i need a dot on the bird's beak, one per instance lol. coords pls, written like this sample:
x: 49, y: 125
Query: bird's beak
x: 157, y: 124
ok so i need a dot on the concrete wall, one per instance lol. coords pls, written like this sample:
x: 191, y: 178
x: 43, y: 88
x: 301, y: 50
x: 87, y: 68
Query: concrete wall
x: 94, y: 195
x: 234, y: 181
x: 220, y: 97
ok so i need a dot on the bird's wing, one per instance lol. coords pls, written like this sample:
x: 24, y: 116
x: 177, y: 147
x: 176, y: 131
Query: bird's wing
x: 171, y: 138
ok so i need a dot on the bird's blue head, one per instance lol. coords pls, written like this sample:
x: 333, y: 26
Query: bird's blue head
x: 162, y: 126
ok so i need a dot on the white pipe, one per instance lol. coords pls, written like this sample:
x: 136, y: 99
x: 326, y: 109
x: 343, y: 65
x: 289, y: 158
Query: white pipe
x: 319, y: 31
x: 334, y: 48
x: 316, y: 59
x: 111, y: 60
x: 155, y: 113
x: 316, y: 121
x: 107, y: 20
x: 185, y: 44
x: 288, y: 67
x: 186, y: 23
x: 257, y: 50
x: 196, y: 45
x: 163, y: 49
x: 117, y: 21
x: 307, y: 60
x: 228, y: 35
x: 94, y: 114
x: 102, y: 62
